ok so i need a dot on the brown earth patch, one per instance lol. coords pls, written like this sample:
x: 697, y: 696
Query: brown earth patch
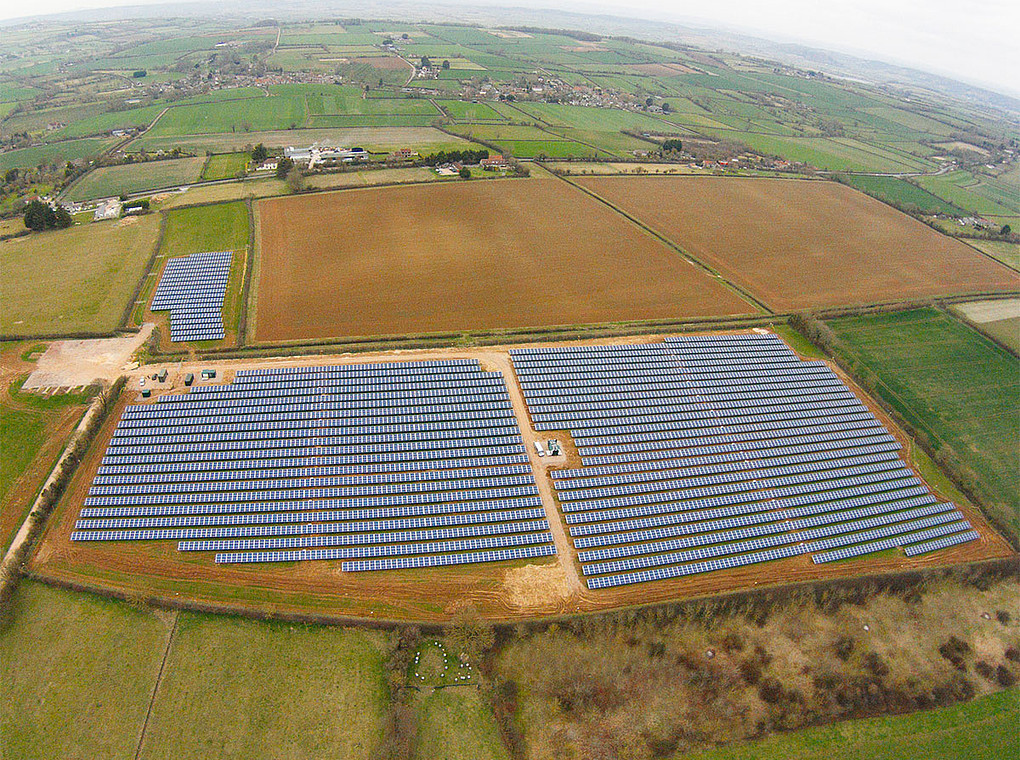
x: 466, y: 256
x: 384, y: 62
x: 800, y: 244
x: 537, y: 586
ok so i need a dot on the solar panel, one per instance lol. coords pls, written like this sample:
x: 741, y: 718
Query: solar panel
x: 192, y: 288
x: 390, y: 461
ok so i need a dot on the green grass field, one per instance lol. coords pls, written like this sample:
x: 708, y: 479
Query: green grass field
x: 54, y: 153
x: 128, y: 179
x: 28, y: 426
x: 222, y: 227
x: 900, y: 192
x: 236, y: 116
x: 374, y: 139
x: 984, y: 729
x: 225, y: 166
x: 1007, y: 253
x: 237, y: 688
x: 76, y: 675
x: 76, y: 280
x: 952, y: 383
x: 456, y: 723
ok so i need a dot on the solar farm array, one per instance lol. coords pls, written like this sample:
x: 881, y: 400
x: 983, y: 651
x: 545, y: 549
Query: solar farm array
x: 706, y: 453
x: 192, y: 288
x: 383, y: 466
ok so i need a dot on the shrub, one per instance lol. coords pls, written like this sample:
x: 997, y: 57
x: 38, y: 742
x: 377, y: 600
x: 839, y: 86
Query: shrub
x: 1004, y: 676
x: 984, y: 670
x: 843, y: 646
x: 954, y: 650
x: 1003, y: 617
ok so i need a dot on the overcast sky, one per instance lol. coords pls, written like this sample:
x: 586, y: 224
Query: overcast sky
x: 971, y: 41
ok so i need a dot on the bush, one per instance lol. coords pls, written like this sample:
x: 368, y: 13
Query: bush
x: 954, y: 650
x: 1003, y: 617
x: 1004, y: 677
x: 984, y: 670
x: 844, y: 646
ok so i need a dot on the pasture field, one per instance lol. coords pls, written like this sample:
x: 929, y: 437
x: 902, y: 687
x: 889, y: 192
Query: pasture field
x: 76, y: 674
x: 999, y: 319
x: 250, y: 188
x: 53, y: 153
x: 952, y: 383
x: 806, y: 244
x: 1001, y: 250
x: 456, y: 722
x: 238, y: 688
x: 426, y: 259
x: 900, y: 192
x: 221, y: 227
x: 980, y: 730
x: 373, y: 139
x: 33, y: 430
x: 76, y: 280
x: 247, y: 115
x: 127, y: 179
x: 225, y: 166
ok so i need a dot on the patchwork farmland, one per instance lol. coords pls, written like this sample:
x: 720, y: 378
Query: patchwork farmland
x: 801, y: 245
x: 475, y: 256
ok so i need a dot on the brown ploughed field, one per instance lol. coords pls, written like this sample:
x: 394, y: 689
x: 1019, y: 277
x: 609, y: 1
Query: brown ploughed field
x: 798, y: 244
x: 466, y: 256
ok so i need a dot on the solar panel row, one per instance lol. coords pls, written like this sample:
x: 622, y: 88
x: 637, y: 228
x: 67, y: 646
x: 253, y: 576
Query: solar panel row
x: 704, y: 453
x: 406, y: 462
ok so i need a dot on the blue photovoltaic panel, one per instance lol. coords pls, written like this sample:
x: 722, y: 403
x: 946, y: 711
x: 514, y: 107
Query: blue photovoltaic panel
x: 192, y: 289
x: 704, y: 453
x: 412, y: 463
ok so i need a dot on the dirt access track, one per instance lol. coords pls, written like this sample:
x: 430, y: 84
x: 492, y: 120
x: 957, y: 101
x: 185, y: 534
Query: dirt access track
x: 799, y: 244
x: 498, y: 591
x: 466, y: 256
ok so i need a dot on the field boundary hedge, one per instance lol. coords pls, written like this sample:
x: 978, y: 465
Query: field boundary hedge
x: 52, y: 490
x: 753, y: 603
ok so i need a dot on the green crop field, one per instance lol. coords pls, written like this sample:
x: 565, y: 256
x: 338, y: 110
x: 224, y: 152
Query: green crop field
x: 373, y: 139
x: 235, y: 116
x: 952, y: 383
x: 984, y: 729
x: 901, y: 193
x: 76, y: 280
x: 127, y: 179
x: 225, y: 166
x: 982, y: 196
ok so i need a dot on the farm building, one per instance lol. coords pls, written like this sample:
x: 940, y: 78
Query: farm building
x: 108, y: 209
x: 326, y: 155
x: 495, y: 163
